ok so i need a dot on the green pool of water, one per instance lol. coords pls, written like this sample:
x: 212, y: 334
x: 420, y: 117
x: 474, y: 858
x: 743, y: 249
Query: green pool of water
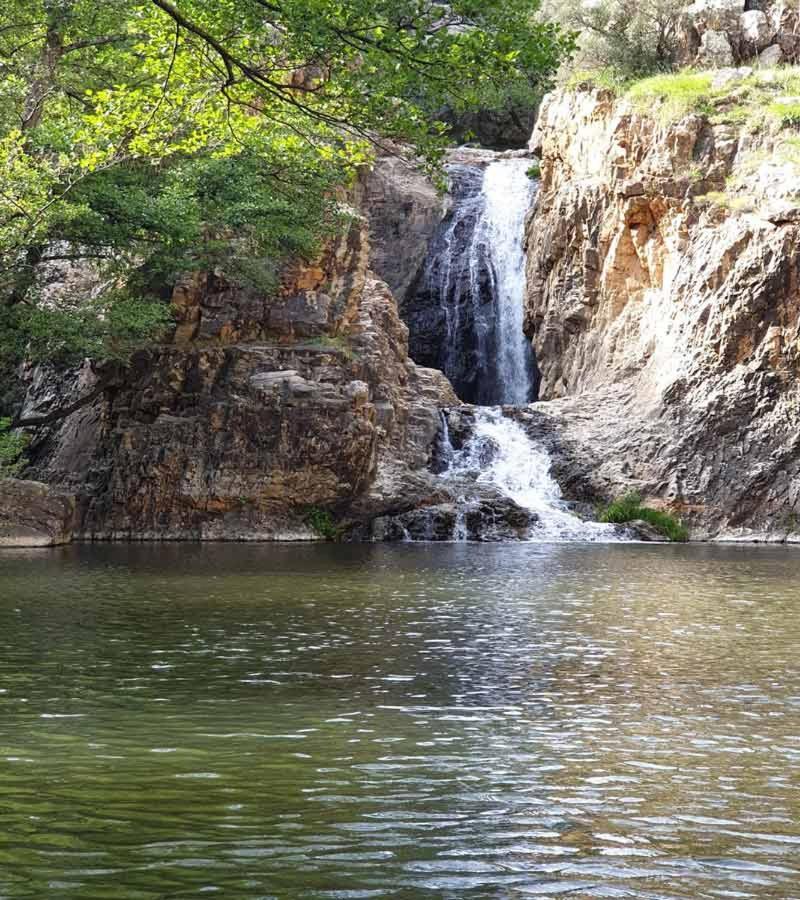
x: 405, y: 722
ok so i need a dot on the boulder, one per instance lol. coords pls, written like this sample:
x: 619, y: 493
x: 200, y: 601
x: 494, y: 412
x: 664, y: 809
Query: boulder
x: 640, y: 530
x: 715, y: 50
x: 711, y: 33
x: 33, y: 514
x: 771, y: 56
x: 757, y: 31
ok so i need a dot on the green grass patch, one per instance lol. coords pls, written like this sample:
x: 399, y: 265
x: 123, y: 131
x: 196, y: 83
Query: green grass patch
x: 787, y: 113
x: 765, y: 96
x: 608, y: 79
x: 628, y: 508
x: 323, y: 523
x: 534, y: 172
x: 674, y: 96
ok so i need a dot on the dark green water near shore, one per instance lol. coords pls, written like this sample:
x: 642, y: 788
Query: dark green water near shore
x: 410, y: 722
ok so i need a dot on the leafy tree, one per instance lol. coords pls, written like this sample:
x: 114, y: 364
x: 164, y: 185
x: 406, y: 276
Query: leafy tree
x: 154, y: 137
x: 631, y: 38
x: 12, y: 446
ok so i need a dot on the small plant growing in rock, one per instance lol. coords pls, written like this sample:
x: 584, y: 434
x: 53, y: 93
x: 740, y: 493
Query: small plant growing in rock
x: 12, y: 447
x: 336, y: 343
x: 322, y: 522
x: 628, y: 508
x: 788, y: 113
x: 534, y: 172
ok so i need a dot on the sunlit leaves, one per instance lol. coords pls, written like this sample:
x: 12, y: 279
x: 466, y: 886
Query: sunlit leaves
x: 157, y: 136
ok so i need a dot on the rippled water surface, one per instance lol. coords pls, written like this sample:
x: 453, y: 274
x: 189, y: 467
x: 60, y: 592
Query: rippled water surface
x: 409, y: 722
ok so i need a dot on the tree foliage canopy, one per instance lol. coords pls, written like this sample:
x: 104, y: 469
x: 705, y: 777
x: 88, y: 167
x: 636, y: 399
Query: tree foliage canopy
x: 146, y: 134
x: 629, y: 38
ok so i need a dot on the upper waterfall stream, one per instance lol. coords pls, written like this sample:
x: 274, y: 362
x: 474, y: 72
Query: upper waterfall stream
x: 466, y: 314
x: 507, y: 196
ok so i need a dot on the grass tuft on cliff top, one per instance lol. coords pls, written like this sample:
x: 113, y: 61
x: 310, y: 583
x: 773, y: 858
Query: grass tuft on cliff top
x: 628, y: 508
x: 674, y: 95
x: 607, y: 78
x: 765, y: 95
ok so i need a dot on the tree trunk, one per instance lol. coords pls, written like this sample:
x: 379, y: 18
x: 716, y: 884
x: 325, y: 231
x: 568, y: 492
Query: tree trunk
x: 43, y: 80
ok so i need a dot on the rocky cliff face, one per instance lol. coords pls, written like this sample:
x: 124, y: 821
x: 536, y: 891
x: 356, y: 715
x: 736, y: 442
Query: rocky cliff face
x: 259, y: 409
x: 714, y: 33
x: 664, y: 305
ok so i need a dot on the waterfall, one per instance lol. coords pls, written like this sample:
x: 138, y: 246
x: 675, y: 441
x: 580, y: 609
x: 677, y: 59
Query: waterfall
x: 466, y: 317
x: 500, y: 454
x: 507, y: 195
x: 466, y: 314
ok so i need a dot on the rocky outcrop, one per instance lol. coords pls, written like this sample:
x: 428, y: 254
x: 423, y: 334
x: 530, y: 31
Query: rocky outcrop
x: 404, y: 209
x: 719, y: 33
x: 34, y: 514
x: 664, y: 305
x: 507, y: 128
x: 260, y: 409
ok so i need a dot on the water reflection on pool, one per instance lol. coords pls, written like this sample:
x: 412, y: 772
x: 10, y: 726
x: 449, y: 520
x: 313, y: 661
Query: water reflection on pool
x: 411, y: 722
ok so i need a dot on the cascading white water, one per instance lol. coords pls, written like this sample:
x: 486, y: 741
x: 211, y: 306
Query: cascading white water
x: 465, y: 314
x: 472, y: 296
x: 500, y: 453
x: 507, y: 195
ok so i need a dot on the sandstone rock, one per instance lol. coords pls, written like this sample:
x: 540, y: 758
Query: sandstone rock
x: 721, y: 32
x: 404, y: 210
x: 236, y: 438
x: 34, y: 515
x: 715, y: 50
x: 757, y: 31
x: 313, y: 299
x: 643, y: 531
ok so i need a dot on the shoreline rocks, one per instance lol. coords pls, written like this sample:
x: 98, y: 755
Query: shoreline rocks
x: 33, y: 514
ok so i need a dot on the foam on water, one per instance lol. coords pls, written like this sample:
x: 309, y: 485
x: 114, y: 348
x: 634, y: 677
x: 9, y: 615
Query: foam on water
x: 500, y: 453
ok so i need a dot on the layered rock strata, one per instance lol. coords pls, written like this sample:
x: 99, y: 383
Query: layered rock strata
x: 664, y: 305
x: 257, y: 411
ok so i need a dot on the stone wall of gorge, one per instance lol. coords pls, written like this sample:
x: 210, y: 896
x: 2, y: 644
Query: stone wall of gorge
x: 663, y: 301
x: 257, y: 410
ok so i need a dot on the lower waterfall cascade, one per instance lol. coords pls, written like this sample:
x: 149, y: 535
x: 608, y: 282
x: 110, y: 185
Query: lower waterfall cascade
x: 500, y: 454
x: 468, y: 310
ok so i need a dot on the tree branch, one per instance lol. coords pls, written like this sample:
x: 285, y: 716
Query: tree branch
x: 100, y: 42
